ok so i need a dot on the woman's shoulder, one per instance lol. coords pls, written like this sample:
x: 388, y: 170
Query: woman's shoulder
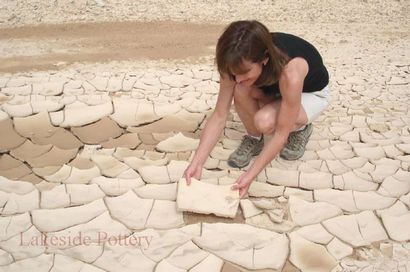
x: 285, y: 36
x: 292, y: 44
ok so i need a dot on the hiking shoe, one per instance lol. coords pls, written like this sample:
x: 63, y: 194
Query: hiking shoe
x: 297, y: 140
x: 248, y: 148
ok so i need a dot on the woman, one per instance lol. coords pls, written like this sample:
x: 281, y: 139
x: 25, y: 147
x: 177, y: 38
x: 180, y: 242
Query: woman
x: 279, y: 85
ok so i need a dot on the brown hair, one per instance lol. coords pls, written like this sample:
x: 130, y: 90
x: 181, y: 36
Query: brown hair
x: 249, y: 40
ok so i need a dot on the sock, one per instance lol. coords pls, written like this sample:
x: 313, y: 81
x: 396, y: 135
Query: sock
x: 256, y: 137
x: 301, y: 128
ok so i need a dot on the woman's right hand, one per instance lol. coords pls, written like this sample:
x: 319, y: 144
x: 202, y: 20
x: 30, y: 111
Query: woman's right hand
x: 213, y: 129
x: 192, y: 171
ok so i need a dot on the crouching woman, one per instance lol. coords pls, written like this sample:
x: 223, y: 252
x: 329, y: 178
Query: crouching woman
x: 278, y: 84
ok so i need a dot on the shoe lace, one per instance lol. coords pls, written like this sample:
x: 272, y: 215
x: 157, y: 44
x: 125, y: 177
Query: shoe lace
x: 246, y: 146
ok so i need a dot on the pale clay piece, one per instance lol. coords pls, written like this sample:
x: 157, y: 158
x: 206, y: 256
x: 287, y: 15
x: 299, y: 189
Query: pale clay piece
x: 21, y: 203
x: 210, y: 263
x: 207, y: 198
x: 46, y: 219
x: 43, y: 262
x: 13, y: 225
x: 315, y: 233
x: 248, y: 209
x: 338, y: 249
x: 99, y: 230
x: 165, y: 215
x: 130, y: 209
x: 80, y: 116
x: 187, y: 256
x: 247, y: 246
x: 307, y: 213
x: 178, y: 143
x: 302, y: 252
x: 356, y: 229
x: 19, y: 246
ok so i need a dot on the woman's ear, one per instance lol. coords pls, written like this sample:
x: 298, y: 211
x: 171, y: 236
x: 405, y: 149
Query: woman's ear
x: 265, y: 61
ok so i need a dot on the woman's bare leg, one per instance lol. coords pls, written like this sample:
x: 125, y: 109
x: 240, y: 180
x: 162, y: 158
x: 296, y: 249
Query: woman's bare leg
x: 246, y: 106
x: 258, y: 112
x: 266, y: 117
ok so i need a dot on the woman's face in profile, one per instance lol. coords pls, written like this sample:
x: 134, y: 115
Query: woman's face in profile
x: 248, y: 72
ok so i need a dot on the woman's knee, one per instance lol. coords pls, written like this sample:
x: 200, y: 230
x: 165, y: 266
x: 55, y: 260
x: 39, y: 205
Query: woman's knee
x: 265, y: 121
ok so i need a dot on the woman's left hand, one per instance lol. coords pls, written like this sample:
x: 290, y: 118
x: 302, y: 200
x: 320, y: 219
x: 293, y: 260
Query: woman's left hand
x: 242, y: 183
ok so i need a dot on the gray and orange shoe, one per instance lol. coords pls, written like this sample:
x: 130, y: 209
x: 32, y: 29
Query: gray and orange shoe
x: 297, y: 140
x: 248, y: 148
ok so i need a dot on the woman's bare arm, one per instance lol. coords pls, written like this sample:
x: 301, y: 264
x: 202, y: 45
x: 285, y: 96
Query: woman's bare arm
x: 291, y: 85
x: 213, y: 128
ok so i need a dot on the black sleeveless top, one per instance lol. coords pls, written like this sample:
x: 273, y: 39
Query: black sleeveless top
x: 293, y: 46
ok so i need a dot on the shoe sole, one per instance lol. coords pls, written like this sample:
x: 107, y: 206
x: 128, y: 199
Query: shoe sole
x: 291, y: 158
x: 234, y: 165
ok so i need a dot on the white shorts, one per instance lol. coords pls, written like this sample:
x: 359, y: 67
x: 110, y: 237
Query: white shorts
x: 315, y: 103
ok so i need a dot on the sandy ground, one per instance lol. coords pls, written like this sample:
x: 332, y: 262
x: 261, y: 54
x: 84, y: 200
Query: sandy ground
x: 56, y: 56
x: 47, y: 46
x: 58, y: 33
